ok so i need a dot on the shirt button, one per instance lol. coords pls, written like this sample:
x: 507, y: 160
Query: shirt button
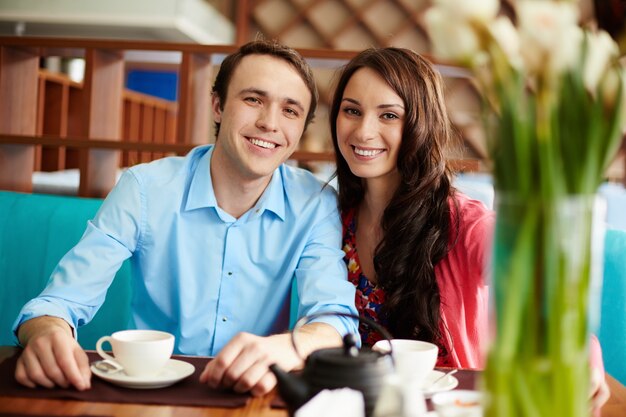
x: 230, y: 273
x: 224, y: 319
x: 258, y: 210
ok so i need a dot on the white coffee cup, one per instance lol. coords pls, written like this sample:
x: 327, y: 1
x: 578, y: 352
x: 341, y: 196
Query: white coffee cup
x: 413, y: 359
x: 140, y: 353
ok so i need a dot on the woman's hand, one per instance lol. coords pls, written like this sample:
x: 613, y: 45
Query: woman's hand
x: 599, y: 391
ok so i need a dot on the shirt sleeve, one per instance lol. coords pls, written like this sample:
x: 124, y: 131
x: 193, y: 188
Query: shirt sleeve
x: 463, y: 285
x: 321, y: 275
x: 478, y: 238
x: 78, y: 284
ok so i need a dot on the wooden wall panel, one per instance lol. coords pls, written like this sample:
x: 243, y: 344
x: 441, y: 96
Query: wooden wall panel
x: 18, y: 112
x: 170, y: 126
x: 41, y: 87
x: 76, y: 125
x: 104, y: 83
x: 56, y: 103
x: 146, y: 131
x: 159, y: 130
x: 132, y: 122
x: 194, y: 103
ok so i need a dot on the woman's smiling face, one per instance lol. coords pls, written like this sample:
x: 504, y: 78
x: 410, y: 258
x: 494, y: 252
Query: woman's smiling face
x: 369, y: 125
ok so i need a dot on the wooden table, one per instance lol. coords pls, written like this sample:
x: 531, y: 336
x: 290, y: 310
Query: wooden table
x: 257, y: 407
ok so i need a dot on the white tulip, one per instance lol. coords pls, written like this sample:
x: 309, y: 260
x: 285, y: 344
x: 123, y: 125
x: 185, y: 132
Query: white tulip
x: 610, y: 88
x: 475, y: 10
x: 507, y: 39
x: 622, y: 115
x: 601, y: 49
x: 452, y: 40
x: 549, y: 35
x: 623, y: 103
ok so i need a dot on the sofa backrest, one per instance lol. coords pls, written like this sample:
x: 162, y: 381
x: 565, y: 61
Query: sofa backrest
x: 612, y: 332
x: 36, y: 230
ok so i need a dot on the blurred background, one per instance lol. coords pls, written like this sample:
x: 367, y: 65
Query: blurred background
x: 346, y: 25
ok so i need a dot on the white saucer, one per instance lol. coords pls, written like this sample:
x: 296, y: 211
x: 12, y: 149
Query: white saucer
x: 173, y: 372
x: 445, y: 384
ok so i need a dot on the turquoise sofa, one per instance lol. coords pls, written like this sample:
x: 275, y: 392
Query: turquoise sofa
x: 36, y: 230
x: 612, y: 332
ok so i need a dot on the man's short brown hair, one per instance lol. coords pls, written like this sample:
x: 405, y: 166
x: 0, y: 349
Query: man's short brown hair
x: 271, y: 48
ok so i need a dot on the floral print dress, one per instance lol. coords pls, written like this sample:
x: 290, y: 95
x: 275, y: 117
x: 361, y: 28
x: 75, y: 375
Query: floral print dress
x: 369, y: 297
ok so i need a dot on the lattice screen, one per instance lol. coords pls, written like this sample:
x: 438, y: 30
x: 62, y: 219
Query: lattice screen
x: 355, y: 25
x: 342, y: 24
x: 358, y: 24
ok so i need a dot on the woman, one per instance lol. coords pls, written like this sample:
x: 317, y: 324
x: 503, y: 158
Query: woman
x: 415, y: 247
x: 421, y: 244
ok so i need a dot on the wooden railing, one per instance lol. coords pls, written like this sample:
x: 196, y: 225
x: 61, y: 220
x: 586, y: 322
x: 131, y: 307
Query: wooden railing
x: 48, y: 122
x: 145, y: 118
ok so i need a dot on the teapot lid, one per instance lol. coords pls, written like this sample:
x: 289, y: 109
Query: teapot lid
x: 346, y: 356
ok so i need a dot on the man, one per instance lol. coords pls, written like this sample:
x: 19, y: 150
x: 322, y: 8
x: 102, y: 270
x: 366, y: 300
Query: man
x: 215, y: 241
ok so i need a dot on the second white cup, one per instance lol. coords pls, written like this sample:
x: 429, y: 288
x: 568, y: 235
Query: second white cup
x: 142, y: 353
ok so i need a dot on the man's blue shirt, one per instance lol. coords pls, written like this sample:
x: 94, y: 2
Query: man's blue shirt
x: 198, y: 272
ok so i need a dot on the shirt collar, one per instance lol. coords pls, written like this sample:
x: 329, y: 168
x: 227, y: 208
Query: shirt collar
x: 201, y: 193
x: 273, y: 198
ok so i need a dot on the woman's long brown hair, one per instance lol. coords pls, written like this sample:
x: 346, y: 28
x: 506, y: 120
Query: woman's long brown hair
x: 416, y: 224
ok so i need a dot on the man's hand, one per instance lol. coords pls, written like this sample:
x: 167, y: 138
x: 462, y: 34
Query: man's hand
x: 52, y: 357
x: 243, y: 364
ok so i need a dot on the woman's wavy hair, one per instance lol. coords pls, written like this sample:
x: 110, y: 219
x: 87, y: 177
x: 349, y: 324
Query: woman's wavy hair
x: 417, y: 225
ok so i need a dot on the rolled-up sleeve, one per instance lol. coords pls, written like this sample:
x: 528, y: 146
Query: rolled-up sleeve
x: 321, y: 275
x: 77, y: 286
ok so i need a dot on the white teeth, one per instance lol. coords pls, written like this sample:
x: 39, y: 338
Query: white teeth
x: 262, y: 143
x: 366, y: 152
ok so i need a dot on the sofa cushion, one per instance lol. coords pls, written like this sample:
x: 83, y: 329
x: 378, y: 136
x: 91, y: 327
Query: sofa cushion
x: 36, y: 230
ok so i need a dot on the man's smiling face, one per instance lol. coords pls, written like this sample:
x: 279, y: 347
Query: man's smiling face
x: 263, y: 116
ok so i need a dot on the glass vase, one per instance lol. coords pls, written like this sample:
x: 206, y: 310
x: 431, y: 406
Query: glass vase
x: 546, y: 274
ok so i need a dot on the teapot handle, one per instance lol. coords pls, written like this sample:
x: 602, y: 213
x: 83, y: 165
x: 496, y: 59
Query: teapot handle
x: 306, y: 319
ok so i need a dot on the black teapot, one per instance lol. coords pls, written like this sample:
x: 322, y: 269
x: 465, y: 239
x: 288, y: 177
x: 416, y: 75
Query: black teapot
x: 331, y: 368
